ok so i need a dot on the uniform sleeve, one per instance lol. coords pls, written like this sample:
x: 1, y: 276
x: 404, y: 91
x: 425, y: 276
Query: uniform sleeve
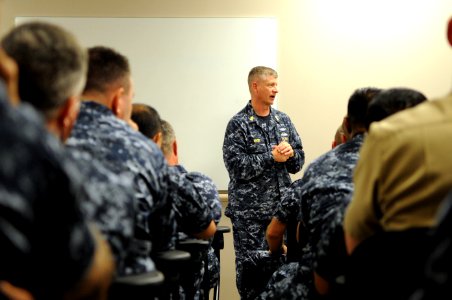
x: 288, y: 207
x: 360, y: 220
x: 60, y: 240
x: 41, y: 226
x: 192, y: 212
x: 295, y: 163
x: 108, y: 201
x: 154, y: 223
x: 240, y: 164
x: 209, y: 193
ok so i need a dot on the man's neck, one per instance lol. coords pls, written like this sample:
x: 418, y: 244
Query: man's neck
x: 360, y: 130
x: 97, y: 97
x: 260, y: 109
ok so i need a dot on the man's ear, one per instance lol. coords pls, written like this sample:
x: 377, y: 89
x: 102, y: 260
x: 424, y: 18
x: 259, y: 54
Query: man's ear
x: 254, y: 86
x: 116, y: 103
x: 346, y: 126
x: 67, y: 116
x: 175, y: 148
x: 343, y: 138
x: 449, y: 31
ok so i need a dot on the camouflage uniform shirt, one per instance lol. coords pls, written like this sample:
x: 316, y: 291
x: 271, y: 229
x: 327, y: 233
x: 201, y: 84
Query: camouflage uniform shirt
x: 109, y: 203
x: 325, y: 186
x: 121, y: 149
x: 41, y: 226
x: 256, y: 180
x: 195, y: 217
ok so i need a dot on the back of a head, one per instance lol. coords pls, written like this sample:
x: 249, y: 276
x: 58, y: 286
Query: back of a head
x: 390, y: 101
x: 168, y: 137
x: 106, y: 68
x: 147, y: 119
x: 52, y: 64
x: 260, y: 72
x: 358, y: 104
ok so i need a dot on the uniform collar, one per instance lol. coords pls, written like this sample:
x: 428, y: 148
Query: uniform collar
x: 252, y: 116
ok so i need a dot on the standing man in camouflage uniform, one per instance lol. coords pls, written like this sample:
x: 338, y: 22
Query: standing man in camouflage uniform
x: 261, y: 147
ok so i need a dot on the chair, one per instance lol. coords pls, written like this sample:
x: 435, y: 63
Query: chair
x: 142, y: 286
x: 171, y: 264
x: 190, y: 272
x: 218, y: 245
x: 388, y: 265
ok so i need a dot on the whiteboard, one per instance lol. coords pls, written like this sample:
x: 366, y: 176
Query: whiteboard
x: 192, y: 70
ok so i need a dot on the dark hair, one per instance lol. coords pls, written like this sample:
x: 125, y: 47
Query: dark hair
x: 147, y: 119
x: 390, y: 101
x: 52, y: 64
x: 358, y: 104
x: 106, y: 67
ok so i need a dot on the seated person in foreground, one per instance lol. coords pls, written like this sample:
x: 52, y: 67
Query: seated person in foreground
x: 330, y: 258
x: 55, y: 95
x: 34, y: 179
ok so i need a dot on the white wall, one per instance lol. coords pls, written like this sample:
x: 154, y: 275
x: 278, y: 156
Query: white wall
x: 326, y: 48
x: 192, y: 70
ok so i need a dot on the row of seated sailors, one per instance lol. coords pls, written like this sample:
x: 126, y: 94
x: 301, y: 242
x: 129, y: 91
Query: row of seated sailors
x: 68, y: 164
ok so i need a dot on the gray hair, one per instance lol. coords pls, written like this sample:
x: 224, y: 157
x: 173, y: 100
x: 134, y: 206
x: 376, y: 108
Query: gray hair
x: 52, y: 64
x: 168, y: 137
x: 260, y: 72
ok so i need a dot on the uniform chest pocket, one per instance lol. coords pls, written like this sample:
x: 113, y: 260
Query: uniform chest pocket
x: 256, y: 146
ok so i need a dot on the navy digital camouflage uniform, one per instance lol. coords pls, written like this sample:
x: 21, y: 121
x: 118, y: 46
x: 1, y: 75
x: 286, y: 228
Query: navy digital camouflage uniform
x: 326, y: 185
x: 256, y: 180
x: 260, y: 265
x: 109, y: 203
x: 41, y: 226
x: 195, y: 217
x: 121, y: 149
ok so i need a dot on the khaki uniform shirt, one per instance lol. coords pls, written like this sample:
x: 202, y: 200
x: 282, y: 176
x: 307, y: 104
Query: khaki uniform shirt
x: 404, y: 171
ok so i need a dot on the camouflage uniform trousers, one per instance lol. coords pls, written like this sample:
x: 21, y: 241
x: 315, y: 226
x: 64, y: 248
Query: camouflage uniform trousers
x: 254, y: 265
x: 287, y: 283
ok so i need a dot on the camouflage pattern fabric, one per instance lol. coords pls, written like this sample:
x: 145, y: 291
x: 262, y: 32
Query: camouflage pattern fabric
x: 326, y: 185
x: 249, y: 239
x: 286, y: 284
x: 256, y: 180
x: 195, y: 217
x: 121, y: 149
x: 41, y: 226
x: 258, y: 267
x: 109, y: 203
